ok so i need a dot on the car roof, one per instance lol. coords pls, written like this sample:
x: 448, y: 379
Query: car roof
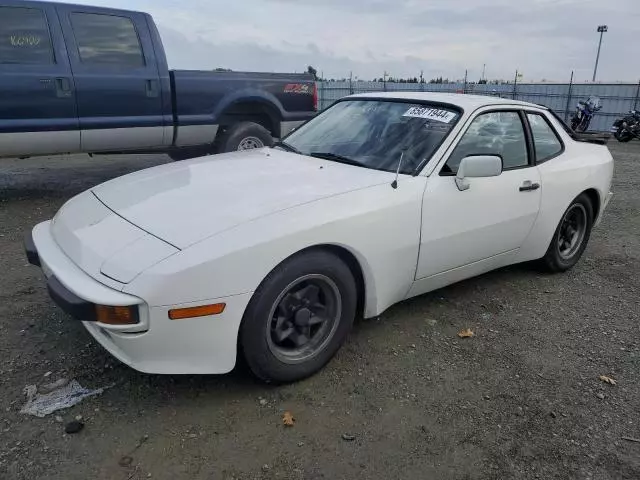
x: 464, y: 101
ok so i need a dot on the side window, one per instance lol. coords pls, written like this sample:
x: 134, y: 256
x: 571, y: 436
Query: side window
x: 545, y: 140
x: 107, y: 40
x: 492, y: 133
x: 24, y: 36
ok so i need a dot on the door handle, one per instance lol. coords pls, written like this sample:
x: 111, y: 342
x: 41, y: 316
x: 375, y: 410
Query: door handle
x: 528, y: 186
x: 152, y: 88
x: 63, y: 87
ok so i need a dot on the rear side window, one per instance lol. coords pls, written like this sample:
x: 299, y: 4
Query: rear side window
x: 107, y: 40
x: 545, y: 140
x: 24, y: 36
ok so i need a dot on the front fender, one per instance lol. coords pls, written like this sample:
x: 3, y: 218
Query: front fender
x: 380, y: 226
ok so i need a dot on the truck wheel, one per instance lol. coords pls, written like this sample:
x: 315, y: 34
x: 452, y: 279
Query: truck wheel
x: 244, y: 136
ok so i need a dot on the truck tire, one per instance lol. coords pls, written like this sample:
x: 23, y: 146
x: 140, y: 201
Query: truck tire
x: 244, y: 136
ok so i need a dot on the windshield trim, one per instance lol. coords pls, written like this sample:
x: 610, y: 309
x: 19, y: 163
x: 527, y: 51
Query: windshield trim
x: 416, y: 171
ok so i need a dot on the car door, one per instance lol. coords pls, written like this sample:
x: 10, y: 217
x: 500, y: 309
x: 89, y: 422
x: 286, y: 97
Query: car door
x: 37, y: 94
x: 117, y: 79
x: 495, y: 215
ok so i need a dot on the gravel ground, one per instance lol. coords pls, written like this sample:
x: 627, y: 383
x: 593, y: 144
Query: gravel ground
x: 405, y: 398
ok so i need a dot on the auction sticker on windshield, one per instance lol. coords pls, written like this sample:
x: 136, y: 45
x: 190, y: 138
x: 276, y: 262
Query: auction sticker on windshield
x: 430, y: 114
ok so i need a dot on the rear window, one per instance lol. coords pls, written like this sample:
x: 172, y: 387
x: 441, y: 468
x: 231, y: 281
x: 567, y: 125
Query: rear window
x: 107, y: 40
x: 24, y: 36
x: 545, y: 140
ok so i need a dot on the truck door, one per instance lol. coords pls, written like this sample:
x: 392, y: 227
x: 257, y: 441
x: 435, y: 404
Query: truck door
x: 116, y: 75
x: 37, y: 94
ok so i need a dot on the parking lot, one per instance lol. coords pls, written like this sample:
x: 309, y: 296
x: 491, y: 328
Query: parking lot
x: 405, y: 398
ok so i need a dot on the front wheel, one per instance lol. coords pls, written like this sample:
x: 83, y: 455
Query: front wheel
x: 299, y: 317
x: 575, y: 122
x: 571, y: 236
x: 622, y: 135
x: 584, y: 126
x: 244, y: 136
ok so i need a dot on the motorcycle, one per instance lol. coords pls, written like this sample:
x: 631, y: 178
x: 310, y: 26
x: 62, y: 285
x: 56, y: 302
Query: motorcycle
x: 585, y: 110
x: 627, y: 128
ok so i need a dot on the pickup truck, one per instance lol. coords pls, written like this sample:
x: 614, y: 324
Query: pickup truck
x: 83, y: 79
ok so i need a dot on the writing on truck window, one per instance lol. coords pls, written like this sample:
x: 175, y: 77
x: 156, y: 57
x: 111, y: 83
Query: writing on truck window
x: 25, y: 40
x: 25, y: 36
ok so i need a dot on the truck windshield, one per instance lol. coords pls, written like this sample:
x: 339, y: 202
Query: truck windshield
x: 373, y: 133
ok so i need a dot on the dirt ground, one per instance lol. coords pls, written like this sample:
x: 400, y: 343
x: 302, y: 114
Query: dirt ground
x: 405, y: 398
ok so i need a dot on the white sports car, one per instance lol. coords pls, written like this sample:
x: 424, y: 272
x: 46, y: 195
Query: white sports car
x: 273, y: 252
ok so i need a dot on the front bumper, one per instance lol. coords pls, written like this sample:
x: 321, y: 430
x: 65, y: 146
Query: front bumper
x: 156, y: 344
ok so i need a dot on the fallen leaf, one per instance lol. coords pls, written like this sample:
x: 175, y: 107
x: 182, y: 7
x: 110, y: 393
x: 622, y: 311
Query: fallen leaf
x: 606, y: 379
x: 288, y: 419
x: 467, y: 332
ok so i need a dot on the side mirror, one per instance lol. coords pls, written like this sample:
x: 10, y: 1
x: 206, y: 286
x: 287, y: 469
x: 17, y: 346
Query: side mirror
x: 474, y: 166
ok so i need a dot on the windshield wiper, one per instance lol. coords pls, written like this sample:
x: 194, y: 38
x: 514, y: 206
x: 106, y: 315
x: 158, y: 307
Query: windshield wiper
x: 286, y: 146
x: 338, y: 158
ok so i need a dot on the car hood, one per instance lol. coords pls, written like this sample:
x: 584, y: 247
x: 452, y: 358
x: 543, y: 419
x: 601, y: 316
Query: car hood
x: 185, y: 202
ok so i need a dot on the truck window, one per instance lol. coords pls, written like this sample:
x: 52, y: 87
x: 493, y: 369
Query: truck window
x: 24, y: 36
x: 107, y: 40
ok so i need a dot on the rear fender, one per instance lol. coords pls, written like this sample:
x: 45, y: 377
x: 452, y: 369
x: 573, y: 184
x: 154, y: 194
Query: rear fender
x: 246, y: 96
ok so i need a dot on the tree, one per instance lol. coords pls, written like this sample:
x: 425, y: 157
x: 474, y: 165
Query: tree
x: 312, y: 71
x: 220, y: 69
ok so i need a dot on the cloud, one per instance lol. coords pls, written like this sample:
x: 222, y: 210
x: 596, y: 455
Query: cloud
x: 541, y: 38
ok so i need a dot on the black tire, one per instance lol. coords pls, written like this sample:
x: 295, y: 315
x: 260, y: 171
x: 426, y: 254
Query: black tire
x: 237, y: 136
x: 622, y: 135
x: 554, y: 260
x: 256, y: 337
x: 575, y: 121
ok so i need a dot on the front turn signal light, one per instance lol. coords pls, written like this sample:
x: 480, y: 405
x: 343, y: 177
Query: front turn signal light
x: 201, y: 311
x: 117, y: 315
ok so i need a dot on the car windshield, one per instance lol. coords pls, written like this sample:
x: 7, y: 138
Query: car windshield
x: 374, y: 133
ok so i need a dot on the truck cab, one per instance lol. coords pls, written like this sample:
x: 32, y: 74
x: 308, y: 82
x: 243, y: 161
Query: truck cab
x: 77, y: 78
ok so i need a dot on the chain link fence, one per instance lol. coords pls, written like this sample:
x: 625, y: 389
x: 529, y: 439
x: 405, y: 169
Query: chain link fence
x: 616, y: 99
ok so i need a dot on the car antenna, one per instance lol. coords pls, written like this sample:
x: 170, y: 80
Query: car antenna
x: 394, y: 184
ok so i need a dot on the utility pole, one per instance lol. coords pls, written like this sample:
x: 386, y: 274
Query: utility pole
x: 484, y: 67
x: 601, y: 30
x: 566, y: 110
x: 464, y: 88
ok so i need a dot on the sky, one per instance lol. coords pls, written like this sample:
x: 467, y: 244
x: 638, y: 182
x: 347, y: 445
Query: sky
x: 542, y: 39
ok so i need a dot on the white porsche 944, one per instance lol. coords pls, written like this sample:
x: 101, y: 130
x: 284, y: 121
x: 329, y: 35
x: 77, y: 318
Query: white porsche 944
x: 271, y: 253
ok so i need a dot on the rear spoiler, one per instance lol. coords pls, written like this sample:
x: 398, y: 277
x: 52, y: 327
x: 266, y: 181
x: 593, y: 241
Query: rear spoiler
x: 591, y: 137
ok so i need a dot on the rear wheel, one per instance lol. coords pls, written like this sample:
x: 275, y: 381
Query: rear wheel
x: 571, y: 236
x: 299, y: 317
x: 244, y: 136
